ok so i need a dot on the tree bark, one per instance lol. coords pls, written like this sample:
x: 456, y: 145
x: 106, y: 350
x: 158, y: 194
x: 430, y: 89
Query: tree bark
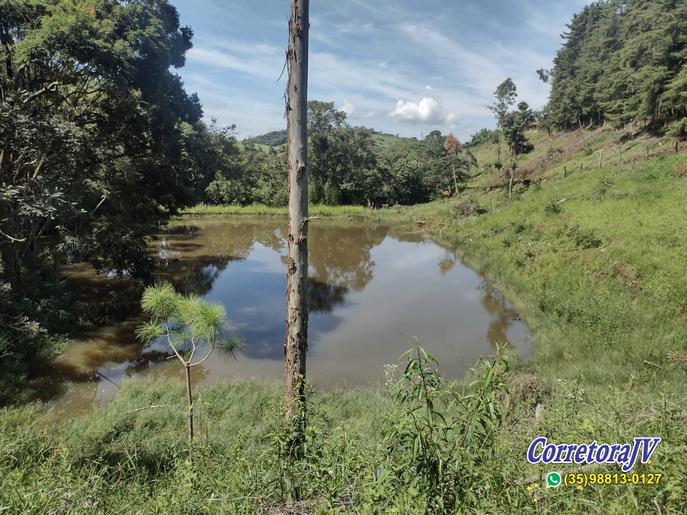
x: 455, y: 180
x: 189, y: 397
x: 296, y: 344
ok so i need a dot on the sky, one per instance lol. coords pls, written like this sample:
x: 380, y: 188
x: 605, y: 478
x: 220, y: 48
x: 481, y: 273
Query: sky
x: 398, y: 66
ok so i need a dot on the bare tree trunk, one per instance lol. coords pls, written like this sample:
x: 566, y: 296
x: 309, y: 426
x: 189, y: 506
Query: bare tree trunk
x: 296, y: 344
x: 189, y: 398
x: 510, y: 181
x: 455, y: 181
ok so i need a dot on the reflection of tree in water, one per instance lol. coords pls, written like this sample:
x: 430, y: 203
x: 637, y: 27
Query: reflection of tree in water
x: 322, y: 297
x: 340, y: 261
x: 504, y: 314
x: 193, y: 257
x: 195, y: 275
x: 194, y: 254
x: 447, y: 263
x: 340, y: 254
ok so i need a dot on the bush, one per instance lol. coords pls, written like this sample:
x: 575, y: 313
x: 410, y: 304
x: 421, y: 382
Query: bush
x: 552, y: 207
x: 584, y: 238
x: 436, y: 439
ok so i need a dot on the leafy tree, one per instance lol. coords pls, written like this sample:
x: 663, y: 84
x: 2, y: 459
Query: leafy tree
x: 324, y: 117
x: 514, y: 126
x: 96, y: 135
x: 504, y: 96
x: 458, y: 159
x: 341, y: 158
x: 434, y: 142
x: 483, y: 136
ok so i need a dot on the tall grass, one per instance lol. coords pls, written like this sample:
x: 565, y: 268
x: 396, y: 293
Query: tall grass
x: 261, y: 210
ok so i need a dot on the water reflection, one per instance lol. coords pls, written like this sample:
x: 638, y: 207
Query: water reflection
x: 503, y: 315
x: 371, y: 289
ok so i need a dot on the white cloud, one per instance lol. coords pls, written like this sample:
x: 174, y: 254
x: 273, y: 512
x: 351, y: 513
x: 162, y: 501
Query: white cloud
x: 347, y: 107
x: 331, y: 71
x: 261, y: 61
x: 427, y: 110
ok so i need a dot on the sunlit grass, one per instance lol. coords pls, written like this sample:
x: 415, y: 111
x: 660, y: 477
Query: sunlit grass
x: 262, y: 210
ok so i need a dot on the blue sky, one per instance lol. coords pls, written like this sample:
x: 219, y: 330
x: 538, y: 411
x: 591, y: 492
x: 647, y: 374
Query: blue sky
x: 399, y: 66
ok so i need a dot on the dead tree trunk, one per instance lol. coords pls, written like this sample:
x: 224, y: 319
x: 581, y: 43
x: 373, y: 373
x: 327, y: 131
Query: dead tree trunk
x: 189, y: 398
x: 455, y: 179
x: 296, y: 344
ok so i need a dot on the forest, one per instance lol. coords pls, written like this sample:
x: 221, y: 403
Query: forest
x: 622, y: 62
x: 573, y: 211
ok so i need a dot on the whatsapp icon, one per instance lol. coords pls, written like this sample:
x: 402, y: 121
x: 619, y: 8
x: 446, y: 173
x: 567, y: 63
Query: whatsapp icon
x: 553, y: 479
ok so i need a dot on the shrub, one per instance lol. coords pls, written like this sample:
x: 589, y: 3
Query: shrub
x: 437, y: 439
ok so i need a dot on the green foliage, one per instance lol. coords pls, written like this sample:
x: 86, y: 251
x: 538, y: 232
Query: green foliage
x: 505, y: 96
x: 552, y: 207
x: 483, y: 136
x: 98, y: 137
x: 584, y: 238
x: 271, y: 139
x: 187, y: 320
x: 348, y: 166
x: 678, y: 129
x: 437, y: 439
x: 513, y: 126
x: 622, y: 61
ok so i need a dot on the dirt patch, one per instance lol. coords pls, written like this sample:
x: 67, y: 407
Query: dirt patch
x: 527, y: 389
x: 343, y: 503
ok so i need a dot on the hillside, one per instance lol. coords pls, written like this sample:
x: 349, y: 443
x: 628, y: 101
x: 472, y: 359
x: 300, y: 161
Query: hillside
x: 153, y: 358
x: 567, y: 152
x: 271, y: 139
x: 278, y: 138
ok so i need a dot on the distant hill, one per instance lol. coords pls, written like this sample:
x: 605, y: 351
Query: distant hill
x: 271, y: 139
x: 277, y: 138
x: 384, y: 139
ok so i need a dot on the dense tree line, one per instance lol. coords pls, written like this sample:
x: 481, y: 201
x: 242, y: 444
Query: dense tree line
x: 622, y: 61
x: 348, y: 165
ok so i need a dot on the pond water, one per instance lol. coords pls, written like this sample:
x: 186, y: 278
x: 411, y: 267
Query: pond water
x: 373, y: 289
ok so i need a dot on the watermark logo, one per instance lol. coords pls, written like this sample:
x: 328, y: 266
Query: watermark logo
x: 626, y: 455
x: 553, y: 479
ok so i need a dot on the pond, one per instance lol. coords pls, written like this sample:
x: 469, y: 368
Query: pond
x: 373, y: 289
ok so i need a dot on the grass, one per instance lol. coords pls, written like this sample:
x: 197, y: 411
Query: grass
x: 262, y: 210
x: 593, y: 261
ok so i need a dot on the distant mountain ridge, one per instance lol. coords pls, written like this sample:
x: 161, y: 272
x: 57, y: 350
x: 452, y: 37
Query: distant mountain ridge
x: 278, y: 138
x: 271, y: 139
